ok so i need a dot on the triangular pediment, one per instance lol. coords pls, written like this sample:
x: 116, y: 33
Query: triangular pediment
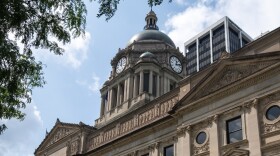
x: 236, y: 152
x: 58, y: 133
x: 227, y: 74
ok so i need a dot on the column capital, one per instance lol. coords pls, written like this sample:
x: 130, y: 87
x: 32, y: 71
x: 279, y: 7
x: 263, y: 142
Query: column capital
x: 247, y: 106
x: 183, y: 129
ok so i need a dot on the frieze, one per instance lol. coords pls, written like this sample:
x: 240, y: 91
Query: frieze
x: 139, y: 120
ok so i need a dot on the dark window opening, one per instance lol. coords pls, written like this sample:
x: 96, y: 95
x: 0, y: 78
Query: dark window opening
x: 146, y: 82
x: 234, y: 130
x: 154, y: 85
x: 169, y: 151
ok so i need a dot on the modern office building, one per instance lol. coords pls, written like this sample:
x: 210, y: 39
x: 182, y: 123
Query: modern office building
x: 151, y: 107
x: 206, y: 47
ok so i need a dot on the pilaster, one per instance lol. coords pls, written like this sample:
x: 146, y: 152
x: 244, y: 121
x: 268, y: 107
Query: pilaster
x: 252, y: 123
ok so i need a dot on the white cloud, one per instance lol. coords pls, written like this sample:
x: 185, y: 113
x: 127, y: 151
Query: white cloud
x: 93, y: 84
x: 21, y: 137
x: 253, y: 16
x: 75, y: 53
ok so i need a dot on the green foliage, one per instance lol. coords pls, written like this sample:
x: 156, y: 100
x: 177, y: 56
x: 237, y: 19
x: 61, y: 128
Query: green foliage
x: 33, y: 23
x: 109, y: 7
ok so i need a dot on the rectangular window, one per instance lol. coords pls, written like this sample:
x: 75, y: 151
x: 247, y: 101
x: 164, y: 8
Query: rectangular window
x: 234, y: 130
x: 169, y: 150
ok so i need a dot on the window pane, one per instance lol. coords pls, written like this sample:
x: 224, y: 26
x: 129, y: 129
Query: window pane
x: 168, y: 151
x: 234, y: 125
x: 201, y: 138
x: 235, y: 136
x: 273, y: 113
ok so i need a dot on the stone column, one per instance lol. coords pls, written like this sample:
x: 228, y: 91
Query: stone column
x: 102, y: 106
x: 151, y: 82
x: 110, y: 92
x: 214, y: 136
x: 141, y: 85
x: 129, y: 87
x: 135, y: 86
x: 253, y: 128
x: 158, y: 85
x: 118, y: 95
x: 165, y: 85
x: 184, y: 141
x: 125, y: 89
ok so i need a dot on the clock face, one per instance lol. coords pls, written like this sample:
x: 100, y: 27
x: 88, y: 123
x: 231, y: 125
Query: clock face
x: 121, y: 65
x: 175, y: 64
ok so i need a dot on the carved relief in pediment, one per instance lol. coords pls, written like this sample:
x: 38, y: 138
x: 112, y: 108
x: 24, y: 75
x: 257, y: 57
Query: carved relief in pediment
x: 59, y: 134
x: 229, y: 75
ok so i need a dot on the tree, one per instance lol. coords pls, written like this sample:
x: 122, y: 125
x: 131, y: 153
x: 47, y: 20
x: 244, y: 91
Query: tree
x: 33, y: 23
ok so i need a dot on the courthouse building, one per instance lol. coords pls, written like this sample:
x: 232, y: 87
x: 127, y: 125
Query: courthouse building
x: 151, y: 106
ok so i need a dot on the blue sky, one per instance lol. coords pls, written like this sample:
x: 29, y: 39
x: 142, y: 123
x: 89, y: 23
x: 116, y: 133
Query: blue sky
x: 74, y: 79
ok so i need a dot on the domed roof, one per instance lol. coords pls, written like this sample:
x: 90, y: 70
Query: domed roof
x: 147, y: 55
x: 151, y: 35
x: 151, y: 32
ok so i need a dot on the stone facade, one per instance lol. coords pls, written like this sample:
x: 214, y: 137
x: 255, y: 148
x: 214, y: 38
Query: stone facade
x: 187, y: 115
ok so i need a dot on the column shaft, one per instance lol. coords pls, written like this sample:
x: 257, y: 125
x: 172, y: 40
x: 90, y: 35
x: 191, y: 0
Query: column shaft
x: 158, y: 85
x: 253, y: 132
x: 135, y: 88
x: 151, y: 82
x: 214, y: 138
x: 118, y: 94
x: 141, y: 85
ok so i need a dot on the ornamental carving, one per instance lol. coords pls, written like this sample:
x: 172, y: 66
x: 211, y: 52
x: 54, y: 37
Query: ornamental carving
x: 271, y: 127
x: 139, y: 120
x: 61, y: 133
x: 201, y: 149
x: 181, y: 130
x: 75, y: 147
x: 231, y: 74
x: 264, y: 103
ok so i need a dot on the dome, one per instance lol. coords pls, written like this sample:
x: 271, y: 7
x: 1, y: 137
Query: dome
x: 151, y: 32
x: 147, y: 55
x: 151, y: 35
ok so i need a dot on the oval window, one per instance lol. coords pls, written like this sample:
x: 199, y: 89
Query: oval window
x: 273, y: 112
x: 201, y: 138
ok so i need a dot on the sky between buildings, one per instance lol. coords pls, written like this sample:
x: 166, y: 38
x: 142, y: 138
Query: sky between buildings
x: 74, y: 79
